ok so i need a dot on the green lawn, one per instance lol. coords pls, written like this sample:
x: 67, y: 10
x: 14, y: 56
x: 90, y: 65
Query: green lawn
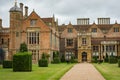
x: 53, y: 72
x: 109, y: 71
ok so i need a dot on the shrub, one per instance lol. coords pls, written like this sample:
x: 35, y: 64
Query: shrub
x: 7, y: 64
x: 56, y: 60
x: 94, y: 59
x: 22, y: 62
x: 72, y: 60
x: 119, y: 63
x: 54, y: 55
x: 63, y: 58
x: 23, y: 47
x: 43, y: 62
x: 2, y: 55
x: 113, y: 60
x: 106, y: 59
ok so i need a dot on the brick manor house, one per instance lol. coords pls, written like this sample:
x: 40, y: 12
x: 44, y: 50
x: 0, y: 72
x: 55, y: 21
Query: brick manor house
x: 82, y: 40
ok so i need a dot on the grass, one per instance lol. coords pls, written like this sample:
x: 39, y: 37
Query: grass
x: 53, y: 72
x: 109, y: 71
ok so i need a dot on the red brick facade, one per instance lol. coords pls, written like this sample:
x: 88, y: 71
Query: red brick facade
x: 83, y: 40
x: 40, y: 34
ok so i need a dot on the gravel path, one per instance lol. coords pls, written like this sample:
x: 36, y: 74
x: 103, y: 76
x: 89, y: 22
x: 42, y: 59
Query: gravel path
x: 83, y: 71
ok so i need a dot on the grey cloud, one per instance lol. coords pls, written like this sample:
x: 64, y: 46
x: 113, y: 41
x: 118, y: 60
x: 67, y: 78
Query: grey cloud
x: 66, y: 10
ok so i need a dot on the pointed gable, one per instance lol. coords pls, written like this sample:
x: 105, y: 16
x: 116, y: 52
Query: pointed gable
x: 112, y: 32
x: 69, y: 32
x: 39, y: 22
x: 97, y: 33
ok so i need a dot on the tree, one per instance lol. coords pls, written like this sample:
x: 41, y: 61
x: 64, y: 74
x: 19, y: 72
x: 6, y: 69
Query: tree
x: 23, y: 47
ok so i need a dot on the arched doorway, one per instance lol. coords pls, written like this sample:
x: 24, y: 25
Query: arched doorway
x: 84, y: 56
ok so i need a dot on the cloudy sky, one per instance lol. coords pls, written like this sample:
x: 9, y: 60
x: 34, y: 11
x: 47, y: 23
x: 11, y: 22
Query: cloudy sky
x: 66, y: 10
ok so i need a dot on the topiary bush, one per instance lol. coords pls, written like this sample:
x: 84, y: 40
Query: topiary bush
x: 22, y: 61
x: 113, y: 60
x: 119, y: 63
x: 43, y: 62
x: 7, y: 64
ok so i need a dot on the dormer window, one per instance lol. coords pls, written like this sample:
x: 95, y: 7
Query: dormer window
x: 94, y: 30
x: 69, y: 30
x: 33, y: 22
x: 116, y: 29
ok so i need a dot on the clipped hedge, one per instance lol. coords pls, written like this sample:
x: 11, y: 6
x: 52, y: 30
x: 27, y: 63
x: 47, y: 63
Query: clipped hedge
x: 7, y: 64
x: 119, y: 63
x: 113, y: 60
x: 22, y: 61
x: 43, y: 63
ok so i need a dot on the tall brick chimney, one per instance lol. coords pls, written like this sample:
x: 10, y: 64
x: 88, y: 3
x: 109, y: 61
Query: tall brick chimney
x: 21, y: 7
x: 26, y: 11
x: 83, y: 21
x: 0, y: 22
x: 103, y: 20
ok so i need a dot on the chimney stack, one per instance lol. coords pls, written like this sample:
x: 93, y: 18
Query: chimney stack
x: 21, y: 7
x: 26, y: 11
x: 0, y: 22
x: 103, y: 20
x: 83, y: 21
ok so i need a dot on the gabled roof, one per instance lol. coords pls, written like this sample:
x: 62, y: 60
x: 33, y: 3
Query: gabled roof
x: 82, y: 27
x: 61, y: 28
x: 105, y: 27
x: 47, y: 20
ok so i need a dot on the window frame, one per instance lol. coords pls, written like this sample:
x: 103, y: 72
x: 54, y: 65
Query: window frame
x: 33, y: 22
x: 69, y: 42
x: 70, y: 30
x: 94, y: 30
x: 116, y: 29
x: 84, y: 41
